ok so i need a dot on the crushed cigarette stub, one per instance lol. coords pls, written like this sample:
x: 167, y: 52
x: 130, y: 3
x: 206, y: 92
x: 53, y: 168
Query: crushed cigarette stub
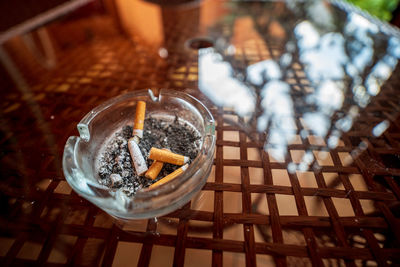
x: 170, y: 176
x: 154, y: 170
x: 139, y: 119
x: 116, y: 179
x: 137, y: 157
x: 167, y: 156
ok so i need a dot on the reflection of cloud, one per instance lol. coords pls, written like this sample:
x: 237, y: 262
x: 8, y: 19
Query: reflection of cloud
x: 344, y: 124
x: 216, y: 81
x: 379, y: 74
x: 318, y: 122
x: 286, y: 60
x: 360, y: 28
x: 360, y: 95
x: 323, y: 57
x: 265, y: 70
x: 379, y: 129
x: 362, y: 49
x: 333, y: 140
x: 361, y: 46
x: 278, y: 117
x: 328, y: 97
x: 362, y: 55
x: 394, y: 47
x: 307, y: 35
x: 320, y: 14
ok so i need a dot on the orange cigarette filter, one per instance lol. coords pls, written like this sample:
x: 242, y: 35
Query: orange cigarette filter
x: 139, y: 119
x: 170, y: 176
x: 167, y: 156
x: 154, y: 170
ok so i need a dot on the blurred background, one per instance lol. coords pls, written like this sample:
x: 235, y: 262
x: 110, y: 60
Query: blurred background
x: 20, y: 16
x: 384, y: 9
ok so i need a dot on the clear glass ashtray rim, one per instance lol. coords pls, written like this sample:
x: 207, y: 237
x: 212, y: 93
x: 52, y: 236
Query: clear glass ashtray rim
x: 147, y: 202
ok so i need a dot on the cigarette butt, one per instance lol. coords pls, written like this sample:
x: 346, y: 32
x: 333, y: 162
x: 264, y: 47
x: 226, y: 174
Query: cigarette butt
x: 170, y: 176
x: 136, y: 139
x: 154, y: 170
x: 139, y: 119
x: 167, y: 156
x: 137, y: 157
x: 116, y: 179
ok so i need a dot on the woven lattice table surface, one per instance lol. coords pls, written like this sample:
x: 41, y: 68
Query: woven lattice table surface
x: 251, y: 211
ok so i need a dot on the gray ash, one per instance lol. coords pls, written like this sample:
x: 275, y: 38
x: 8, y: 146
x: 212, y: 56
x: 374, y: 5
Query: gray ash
x: 177, y: 136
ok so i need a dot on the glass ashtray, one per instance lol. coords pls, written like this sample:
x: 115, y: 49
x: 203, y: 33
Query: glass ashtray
x: 81, y: 154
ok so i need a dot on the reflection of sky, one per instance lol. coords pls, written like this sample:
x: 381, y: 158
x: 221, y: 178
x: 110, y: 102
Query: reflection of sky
x: 278, y: 116
x: 320, y: 14
x: 217, y: 82
x: 325, y: 59
x: 328, y: 97
x: 323, y: 56
x: 362, y: 43
x: 334, y: 62
x: 363, y: 46
x: 259, y: 72
x: 394, y: 47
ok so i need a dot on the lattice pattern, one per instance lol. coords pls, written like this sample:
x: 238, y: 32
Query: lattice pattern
x: 251, y: 211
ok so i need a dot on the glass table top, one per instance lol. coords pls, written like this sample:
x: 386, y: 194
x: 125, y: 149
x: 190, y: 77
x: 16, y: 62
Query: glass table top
x: 306, y: 96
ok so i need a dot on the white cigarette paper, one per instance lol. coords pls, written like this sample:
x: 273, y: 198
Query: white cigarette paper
x: 116, y: 179
x: 137, y: 157
x: 138, y: 133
